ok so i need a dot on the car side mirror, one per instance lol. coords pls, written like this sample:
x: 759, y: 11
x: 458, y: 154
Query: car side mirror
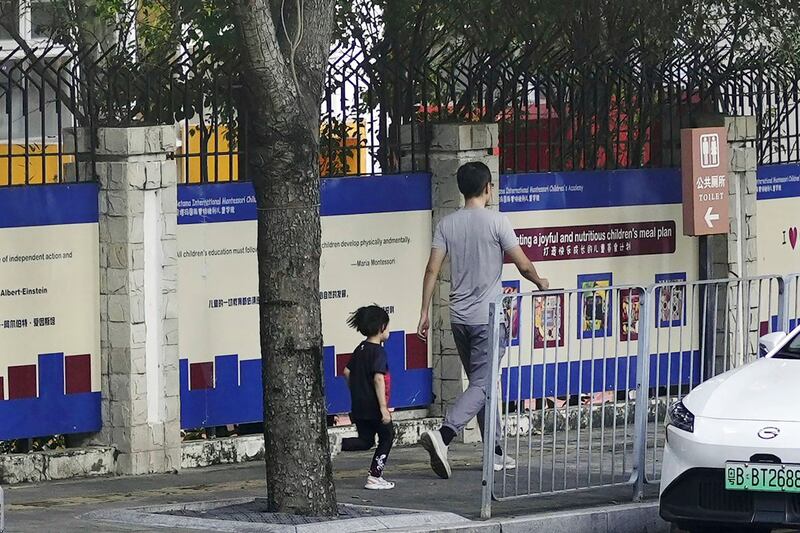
x: 769, y: 342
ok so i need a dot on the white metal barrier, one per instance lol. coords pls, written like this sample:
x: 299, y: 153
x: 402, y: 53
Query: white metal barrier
x: 791, y: 310
x: 565, y: 390
x: 700, y: 330
x: 584, y: 379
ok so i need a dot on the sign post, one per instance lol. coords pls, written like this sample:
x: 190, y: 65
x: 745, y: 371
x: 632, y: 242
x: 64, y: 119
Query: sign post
x: 706, y: 184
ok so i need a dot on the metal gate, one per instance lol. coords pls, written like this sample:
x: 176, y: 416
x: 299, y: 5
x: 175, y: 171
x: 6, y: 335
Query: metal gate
x: 708, y: 328
x: 580, y: 408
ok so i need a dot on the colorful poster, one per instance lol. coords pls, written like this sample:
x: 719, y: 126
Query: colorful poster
x: 670, y: 300
x: 548, y: 321
x: 512, y: 308
x: 594, y: 309
x: 629, y: 312
x: 49, y: 311
x: 376, y: 237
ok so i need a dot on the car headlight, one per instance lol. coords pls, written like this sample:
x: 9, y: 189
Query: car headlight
x: 681, y: 417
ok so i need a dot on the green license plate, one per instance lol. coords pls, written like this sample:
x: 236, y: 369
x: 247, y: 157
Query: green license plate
x: 762, y: 477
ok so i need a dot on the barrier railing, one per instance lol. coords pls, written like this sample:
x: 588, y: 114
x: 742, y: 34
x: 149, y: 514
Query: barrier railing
x: 791, y: 308
x: 583, y: 377
x: 565, y: 391
x: 700, y: 329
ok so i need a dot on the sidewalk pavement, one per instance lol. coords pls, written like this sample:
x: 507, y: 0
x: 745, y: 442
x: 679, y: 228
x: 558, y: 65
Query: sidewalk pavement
x: 58, y: 506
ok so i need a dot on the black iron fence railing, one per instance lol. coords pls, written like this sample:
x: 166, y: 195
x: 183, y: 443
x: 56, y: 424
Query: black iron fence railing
x: 40, y: 100
x: 553, y: 113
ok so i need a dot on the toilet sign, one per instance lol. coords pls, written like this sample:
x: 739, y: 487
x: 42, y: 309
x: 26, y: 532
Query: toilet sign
x: 706, y: 184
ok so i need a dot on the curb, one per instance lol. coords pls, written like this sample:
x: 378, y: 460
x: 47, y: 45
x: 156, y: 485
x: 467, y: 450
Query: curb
x: 626, y: 518
x: 242, y: 449
x: 149, y: 517
x: 99, y: 461
x: 52, y: 465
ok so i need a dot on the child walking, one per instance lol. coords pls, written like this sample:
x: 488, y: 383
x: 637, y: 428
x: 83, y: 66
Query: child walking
x: 367, y: 375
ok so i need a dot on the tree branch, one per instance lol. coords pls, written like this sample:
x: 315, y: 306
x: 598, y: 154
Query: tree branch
x: 42, y: 69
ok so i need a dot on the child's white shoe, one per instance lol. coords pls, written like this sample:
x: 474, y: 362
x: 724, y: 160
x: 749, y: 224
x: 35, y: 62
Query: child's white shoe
x: 378, y: 483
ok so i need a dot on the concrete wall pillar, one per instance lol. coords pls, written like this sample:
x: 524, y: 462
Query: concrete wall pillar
x: 138, y: 296
x: 727, y: 255
x: 735, y: 255
x: 449, y: 147
x: 742, y: 240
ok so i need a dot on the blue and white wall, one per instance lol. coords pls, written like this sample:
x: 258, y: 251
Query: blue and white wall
x: 49, y: 311
x: 376, y: 234
x: 778, y: 223
x: 778, y: 219
x: 590, y: 230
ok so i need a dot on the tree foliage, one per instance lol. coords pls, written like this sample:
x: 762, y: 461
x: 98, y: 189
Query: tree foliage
x: 591, y: 61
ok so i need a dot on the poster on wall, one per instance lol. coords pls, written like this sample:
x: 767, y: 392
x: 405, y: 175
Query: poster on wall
x: 629, y: 311
x: 376, y: 237
x: 594, y: 309
x: 548, y: 321
x: 671, y: 300
x: 49, y: 311
x: 512, y: 308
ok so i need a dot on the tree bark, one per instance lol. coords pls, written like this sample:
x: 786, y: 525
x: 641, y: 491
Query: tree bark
x: 284, y: 84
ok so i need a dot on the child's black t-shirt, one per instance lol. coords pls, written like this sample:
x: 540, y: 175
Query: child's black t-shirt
x: 367, y: 360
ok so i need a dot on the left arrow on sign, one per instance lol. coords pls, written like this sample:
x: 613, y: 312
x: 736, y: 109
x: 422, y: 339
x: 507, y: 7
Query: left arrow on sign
x: 710, y: 217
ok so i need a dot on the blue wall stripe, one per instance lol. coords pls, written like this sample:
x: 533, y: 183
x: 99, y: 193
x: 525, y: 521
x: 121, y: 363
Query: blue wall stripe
x: 376, y: 194
x: 48, y: 205
x: 778, y: 181
x: 229, y: 403
x: 232, y: 202
x: 585, y: 189
x: 599, y: 375
x: 53, y: 412
x: 216, y: 202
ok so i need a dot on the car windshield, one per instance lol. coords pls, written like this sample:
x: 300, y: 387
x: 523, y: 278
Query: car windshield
x: 790, y: 350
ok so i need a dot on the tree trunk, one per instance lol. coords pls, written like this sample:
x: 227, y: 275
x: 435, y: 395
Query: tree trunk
x: 299, y: 472
x: 284, y: 82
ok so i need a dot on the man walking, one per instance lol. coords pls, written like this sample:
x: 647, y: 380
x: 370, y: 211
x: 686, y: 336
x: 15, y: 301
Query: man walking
x: 475, y: 239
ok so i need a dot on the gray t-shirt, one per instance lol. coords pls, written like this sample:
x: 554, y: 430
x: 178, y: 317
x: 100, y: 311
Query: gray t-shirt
x: 475, y: 240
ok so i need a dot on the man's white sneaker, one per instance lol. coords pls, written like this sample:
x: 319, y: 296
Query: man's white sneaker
x: 434, y: 445
x: 378, y: 483
x: 504, y: 462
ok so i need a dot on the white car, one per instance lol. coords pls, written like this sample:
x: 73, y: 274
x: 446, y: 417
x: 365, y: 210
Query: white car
x: 732, y: 457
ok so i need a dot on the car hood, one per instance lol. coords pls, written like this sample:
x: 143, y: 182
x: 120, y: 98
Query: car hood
x: 765, y: 389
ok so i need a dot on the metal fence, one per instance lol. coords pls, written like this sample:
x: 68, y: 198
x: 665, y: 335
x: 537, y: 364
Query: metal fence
x: 552, y: 115
x: 791, y: 308
x: 700, y: 330
x: 585, y: 378
x: 556, y: 111
x: 40, y: 98
x: 46, y: 92
x: 771, y: 96
x: 565, y: 391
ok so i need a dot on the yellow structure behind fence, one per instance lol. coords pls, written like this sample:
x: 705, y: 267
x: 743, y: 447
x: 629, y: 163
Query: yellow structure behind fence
x: 40, y: 166
x: 221, y: 164
x: 349, y: 157
x: 44, y: 165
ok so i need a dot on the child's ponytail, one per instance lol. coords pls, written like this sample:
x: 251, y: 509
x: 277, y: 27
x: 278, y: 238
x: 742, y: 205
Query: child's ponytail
x: 369, y: 320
